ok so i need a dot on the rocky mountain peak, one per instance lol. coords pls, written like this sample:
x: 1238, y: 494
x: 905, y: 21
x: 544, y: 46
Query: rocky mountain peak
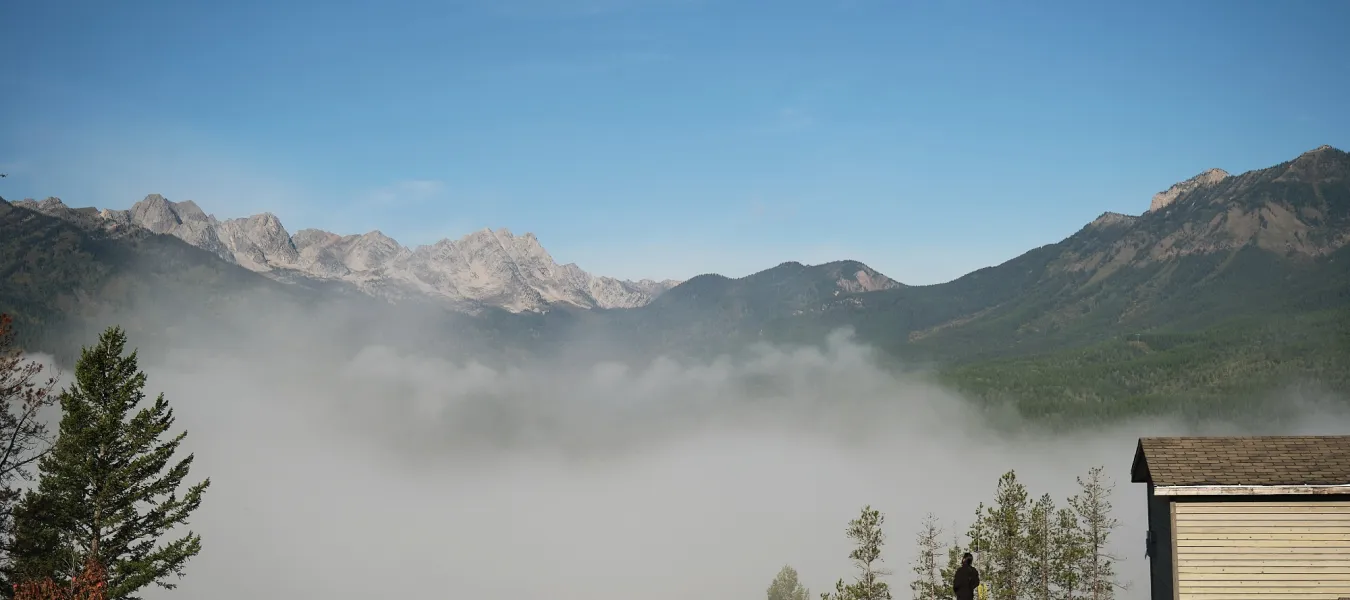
x: 50, y: 205
x: 1170, y: 195
x: 484, y: 268
x: 1112, y: 219
x: 259, y: 242
x: 188, y: 210
x: 155, y: 213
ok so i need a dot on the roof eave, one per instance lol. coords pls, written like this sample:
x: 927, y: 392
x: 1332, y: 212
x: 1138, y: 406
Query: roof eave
x: 1139, y: 470
x: 1251, y: 490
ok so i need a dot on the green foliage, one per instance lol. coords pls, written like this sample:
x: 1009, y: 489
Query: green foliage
x: 865, y: 531
x: 1006, y: 523
x: 36, y: 551
x: 979, y: 535
x: 1093, y: 507
x: 948, y: 572
x: 1038, y: 547
x: 1067, y: 552
x: 1239, y: 370
x: 786, y: 587
x: 23, y: 434
x: 1034, y: 550
x: 928, y: 583
x: 108, y: 489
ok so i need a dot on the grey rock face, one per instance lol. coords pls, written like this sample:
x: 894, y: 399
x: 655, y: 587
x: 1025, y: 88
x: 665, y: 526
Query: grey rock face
x: 484, y: 268
x: 1170, y: 195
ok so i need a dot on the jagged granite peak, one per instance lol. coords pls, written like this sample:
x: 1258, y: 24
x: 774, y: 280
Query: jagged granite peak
x: 484, y: 268
x: 260, y: 242
x: 54, y: 207
x: 1170, y: 195
x: 50, y: 206
x: 183, y: 220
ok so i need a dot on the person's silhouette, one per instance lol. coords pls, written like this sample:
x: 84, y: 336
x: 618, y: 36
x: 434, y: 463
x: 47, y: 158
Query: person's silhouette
x: 966, y: 579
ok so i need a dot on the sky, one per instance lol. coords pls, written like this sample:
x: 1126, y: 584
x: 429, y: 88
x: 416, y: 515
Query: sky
x: 667, y: 138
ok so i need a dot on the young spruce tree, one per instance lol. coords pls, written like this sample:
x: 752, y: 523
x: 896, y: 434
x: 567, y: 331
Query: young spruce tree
x: 1066, y: 554
x: 865, y: 531
x: 1093, y: 506
x: 786, y: 587
x: 979, y: 535
x: 954, y: 552
x: 927, y: 583
x: 1006, y: 525
x: 107, y: 489
x: 1036, y: 583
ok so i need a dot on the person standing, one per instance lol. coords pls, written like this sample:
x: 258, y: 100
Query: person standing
x: 966, y: 579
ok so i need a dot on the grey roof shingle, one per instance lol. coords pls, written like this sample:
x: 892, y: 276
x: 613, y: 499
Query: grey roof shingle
x: 1247, y: 460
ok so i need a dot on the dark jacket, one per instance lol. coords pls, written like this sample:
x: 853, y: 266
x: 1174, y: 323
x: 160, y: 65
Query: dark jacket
x: 965, y: 581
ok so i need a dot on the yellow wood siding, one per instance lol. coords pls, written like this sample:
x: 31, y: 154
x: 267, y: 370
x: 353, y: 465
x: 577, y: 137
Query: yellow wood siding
x: 1242, y: 550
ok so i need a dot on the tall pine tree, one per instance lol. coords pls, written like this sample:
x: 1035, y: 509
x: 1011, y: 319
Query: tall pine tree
x: 108, y: 487
x: 1038, y: 549
x: 865, y: 531
x: 1006, y: 523
x: 927, y: 583
x: 1066, y: 554
x: 1093, y: 506
x: 979, y: 535
x: 954, y: 552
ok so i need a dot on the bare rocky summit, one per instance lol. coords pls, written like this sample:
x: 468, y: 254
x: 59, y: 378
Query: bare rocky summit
x: 1170, y: 195
x: 1113, y: 219
x: 485, y: 268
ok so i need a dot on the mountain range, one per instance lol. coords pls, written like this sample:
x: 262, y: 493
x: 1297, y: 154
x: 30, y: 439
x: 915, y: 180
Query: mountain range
x: 1227, y: 288
x: 484, y: 268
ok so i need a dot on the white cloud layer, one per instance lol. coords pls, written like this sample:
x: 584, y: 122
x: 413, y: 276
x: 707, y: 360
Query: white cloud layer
x: 360, y: 469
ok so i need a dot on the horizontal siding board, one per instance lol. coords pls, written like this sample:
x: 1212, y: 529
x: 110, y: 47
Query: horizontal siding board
x: 1242, y: 507
x: 1265, y: 579
x: 1308, y: 526
x: 1264, y: 596
x: 1266, y: 550
x: 1304, y: 561
x: 1264, y: 566
x: 1234, y: 552
x: 1266, y: 516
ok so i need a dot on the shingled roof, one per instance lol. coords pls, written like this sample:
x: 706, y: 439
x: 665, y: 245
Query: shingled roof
x: 1248, y: 460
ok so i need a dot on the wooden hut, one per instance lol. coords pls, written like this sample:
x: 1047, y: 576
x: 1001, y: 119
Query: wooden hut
x: 1247, y: 517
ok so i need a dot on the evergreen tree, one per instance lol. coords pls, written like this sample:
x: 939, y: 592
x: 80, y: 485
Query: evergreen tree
x: 1093, y: 507
x: 1038, y: 549
x: 786, y: 587
x: 927, y: 583
x: 35, y: 545
x: 954, y: 551
x: 1006, y: 526
x: 865, y: 531
x: 108, y: 483
x: 1066, y: 554
x: 978, y: 533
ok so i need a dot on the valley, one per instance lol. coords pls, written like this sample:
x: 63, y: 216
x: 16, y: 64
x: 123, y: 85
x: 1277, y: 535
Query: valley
x: 1228, y: 293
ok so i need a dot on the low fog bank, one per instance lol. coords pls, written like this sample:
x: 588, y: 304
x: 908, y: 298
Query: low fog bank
x: 349, y: 463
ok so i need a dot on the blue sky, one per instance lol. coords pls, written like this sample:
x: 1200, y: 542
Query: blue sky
x: 667, y: 138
